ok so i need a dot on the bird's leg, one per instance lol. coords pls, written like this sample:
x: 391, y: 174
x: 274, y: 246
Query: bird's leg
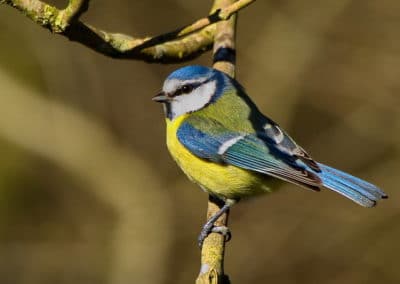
x: 209, y: 225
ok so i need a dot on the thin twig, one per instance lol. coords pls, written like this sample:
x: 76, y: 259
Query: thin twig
x: 74, y: 10
x: 222, y: 14
x: 176, y: 46
x: 213, y: 250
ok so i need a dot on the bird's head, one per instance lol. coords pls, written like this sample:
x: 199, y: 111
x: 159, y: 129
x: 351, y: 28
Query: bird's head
x: 190, y: 89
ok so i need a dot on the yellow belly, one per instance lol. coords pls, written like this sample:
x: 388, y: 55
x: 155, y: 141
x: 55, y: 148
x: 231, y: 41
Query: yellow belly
x: 225, y: 181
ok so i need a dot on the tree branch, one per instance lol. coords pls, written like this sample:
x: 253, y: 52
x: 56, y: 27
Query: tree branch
x: 221, y: 14
x: 74, y: 10
x: 176, y: 46
x: 213, y: 250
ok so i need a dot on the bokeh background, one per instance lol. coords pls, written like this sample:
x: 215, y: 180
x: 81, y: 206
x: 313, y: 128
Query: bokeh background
x: 89, y: 194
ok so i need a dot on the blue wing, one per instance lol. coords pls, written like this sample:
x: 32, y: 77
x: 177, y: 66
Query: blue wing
x: 247, y: 151
x: 276, y: 155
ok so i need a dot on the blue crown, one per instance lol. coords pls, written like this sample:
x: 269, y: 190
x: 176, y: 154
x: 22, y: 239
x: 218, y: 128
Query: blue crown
x: 191, y: 72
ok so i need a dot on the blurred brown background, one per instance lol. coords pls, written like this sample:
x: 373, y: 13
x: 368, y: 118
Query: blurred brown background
x: 89, y: 194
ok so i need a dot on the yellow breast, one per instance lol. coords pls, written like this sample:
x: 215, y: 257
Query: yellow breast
x: 225, y: 181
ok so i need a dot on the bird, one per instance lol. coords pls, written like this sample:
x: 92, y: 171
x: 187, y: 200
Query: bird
x: 223, y: 143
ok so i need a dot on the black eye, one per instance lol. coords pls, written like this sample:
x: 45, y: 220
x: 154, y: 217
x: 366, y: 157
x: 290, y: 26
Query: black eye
x: 185, y: 89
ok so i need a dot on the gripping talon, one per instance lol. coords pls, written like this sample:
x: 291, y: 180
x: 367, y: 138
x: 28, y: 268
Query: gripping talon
x: 209, y: 225
x: 223, y: 230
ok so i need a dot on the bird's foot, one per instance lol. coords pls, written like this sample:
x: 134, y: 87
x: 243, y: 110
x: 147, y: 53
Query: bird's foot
x: 207, y: 229
x: 223, y: 230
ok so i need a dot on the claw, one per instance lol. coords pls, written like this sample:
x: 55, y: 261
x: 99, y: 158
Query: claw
x: 223, y: 230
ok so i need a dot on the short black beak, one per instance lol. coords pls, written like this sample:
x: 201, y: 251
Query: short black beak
x: 160, y: 97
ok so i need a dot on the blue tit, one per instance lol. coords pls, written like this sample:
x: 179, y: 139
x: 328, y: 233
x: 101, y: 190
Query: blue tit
x: 223, y: 143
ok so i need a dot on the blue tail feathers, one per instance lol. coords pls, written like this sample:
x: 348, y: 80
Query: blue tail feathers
x: 358, y: 190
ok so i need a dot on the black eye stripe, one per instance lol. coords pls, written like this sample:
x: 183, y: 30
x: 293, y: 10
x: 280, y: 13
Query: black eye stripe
x: 185, y: 89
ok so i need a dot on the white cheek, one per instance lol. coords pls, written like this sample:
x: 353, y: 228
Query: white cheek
x: 193, y: 101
